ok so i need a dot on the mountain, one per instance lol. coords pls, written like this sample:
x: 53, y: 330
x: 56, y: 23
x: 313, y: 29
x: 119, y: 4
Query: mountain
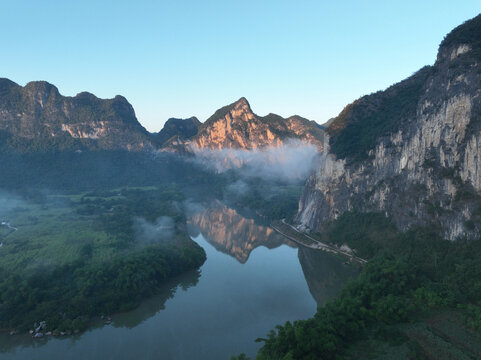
x: 235, y: 126
x: 412, y: 151
x: 37, y: 117
x: 177, y: 129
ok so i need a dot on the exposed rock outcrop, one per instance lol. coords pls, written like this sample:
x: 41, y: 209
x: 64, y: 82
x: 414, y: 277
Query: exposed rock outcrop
x: 37, y: 117
x: 236, y: 127
x: 412, y: 151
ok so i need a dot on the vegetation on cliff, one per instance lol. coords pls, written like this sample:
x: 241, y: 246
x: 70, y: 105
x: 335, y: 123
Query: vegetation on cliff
x: 36, y: 117
x: 358, y: 127
x: 466, y: 34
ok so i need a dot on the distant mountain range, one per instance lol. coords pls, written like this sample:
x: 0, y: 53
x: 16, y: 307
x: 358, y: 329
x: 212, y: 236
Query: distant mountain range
x: 236, y: 126
x: 37, y: 117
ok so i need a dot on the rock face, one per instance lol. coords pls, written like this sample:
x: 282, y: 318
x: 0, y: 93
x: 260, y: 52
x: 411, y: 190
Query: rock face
x: 177, y: 130
x: 37, y: 116
x: 236, y: 127
x: 413, y: 151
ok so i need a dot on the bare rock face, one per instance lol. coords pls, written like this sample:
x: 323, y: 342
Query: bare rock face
x: 236, y: 127
x: 423, y: 166
x: 38, y: 117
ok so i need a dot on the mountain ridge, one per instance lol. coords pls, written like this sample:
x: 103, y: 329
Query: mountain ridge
x: 236, y: 126
x: 36, y: 117
x: 411, y: 151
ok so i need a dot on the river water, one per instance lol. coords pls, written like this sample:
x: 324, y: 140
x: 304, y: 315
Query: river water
x: 252, y: 280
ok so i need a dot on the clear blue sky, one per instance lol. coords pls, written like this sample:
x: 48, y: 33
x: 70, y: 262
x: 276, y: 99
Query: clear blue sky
x: 181, y: 58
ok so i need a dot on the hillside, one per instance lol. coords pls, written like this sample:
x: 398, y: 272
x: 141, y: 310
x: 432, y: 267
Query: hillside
x: 411, y: 151
x: 37, y: 117
x: 236, y: 126
x: 177, y: 129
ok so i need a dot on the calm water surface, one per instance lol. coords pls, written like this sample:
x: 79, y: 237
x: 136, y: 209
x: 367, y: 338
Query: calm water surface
x: 252, y: 280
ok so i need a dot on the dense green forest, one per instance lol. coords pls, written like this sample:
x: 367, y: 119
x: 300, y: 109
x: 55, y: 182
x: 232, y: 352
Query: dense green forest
x: 76, y: 256
x: 418, y: 297
x: 85, y: 171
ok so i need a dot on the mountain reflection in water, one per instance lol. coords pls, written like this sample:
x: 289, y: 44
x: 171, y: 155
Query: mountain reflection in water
x: 235, y: 235
x: 325, y: 274
x: 231, y: 233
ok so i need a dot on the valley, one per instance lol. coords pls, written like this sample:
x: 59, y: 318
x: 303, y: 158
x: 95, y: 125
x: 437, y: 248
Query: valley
x: 253, y: 286
x: 246, y: 236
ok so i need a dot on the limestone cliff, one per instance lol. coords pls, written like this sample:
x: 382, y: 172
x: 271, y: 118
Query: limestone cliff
x: 236, y: 126
x: 412, y: 151
x: 37, y: 117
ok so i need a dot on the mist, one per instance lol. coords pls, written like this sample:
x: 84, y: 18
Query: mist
x: 159, y: 231
x: 291, y: 162
x: 191, y: 207
x: 9, y: 203
x: 240, y: 187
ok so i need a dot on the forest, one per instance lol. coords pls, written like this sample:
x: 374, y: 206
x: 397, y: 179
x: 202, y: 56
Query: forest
x: 416, y: 289
x: 78, y: 256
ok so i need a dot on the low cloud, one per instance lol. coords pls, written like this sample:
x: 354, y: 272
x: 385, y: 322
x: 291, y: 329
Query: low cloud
x: 8, y: 204
x: 159, y: 231
x: 239, y: 187
x: 191, y: 207
x: 290, y: 162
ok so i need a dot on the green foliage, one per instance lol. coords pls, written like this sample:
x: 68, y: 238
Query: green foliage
x: 68, y: 296
x: 239, y: 357
x: 173, y: 128
x: 474, y: 316
x: 359, y: 126
x: 467, y: 33
x: 378, y: 295
x: 366, y: 233
x: 94, y: 170
x: 408, y: 275
x: 83, y: 111
x: 84, y: 258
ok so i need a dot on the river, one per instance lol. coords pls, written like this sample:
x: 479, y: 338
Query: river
x: 253, y: 279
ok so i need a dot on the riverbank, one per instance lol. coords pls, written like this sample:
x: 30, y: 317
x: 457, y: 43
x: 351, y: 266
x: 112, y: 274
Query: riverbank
x: 292, y: 233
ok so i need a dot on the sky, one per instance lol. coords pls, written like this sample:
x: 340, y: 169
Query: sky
x: 188, y: 58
